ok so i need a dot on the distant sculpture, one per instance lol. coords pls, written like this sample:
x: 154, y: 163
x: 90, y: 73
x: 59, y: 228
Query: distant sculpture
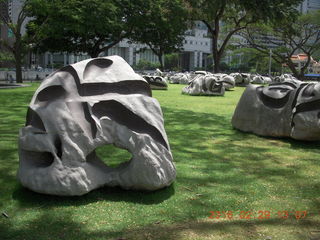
x: 285, y: 77
x: 156, y: 82
x: 179, y: 78
x: 241, y: 79
x: 204, y: 85
x: 228, y: 81
x: 81, y: 107
x: 288, y: 109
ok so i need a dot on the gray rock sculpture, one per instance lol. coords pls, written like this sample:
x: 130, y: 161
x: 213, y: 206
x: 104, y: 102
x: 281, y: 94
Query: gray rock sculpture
x: 179, y: 78
x: 81, y: 107
x: 257, y: 79
x: 204, y: 85
x: 156, y: 82
x: 228, y: 81
x: 288, y: 109
x: 285, y: 77
x: 241, y: 79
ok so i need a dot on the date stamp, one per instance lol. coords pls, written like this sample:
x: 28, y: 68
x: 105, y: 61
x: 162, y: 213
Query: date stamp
x: 260, y: 214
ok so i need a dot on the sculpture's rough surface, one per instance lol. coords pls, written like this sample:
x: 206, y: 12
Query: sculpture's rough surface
x: 204, y: 85
x: 156, y: 82
x: 288, y: 109
x: 81, y: 107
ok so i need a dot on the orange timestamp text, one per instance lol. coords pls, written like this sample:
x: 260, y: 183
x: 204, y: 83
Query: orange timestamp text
x: 261, y: 214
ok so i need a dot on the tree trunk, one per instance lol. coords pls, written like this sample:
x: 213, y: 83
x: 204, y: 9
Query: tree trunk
x: 215, y: 50
x: 160, y: 61
x: 94, y: 54
x: 18, y: 58
x: 216, y: 59
x: 18, y: 69
x: 294, y: 70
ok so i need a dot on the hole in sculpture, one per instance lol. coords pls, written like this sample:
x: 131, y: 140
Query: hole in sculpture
x: 119, y: 113
x: 112, y: 156
x: 38, y: 159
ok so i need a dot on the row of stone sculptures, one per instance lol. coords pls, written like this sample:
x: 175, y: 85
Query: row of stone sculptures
x: 205, y: 83
x: 196, y: 81
x: 240, y: 79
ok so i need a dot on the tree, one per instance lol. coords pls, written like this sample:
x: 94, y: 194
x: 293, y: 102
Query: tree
x: 171, y: 61
x: 161, y: 26
x: 91, y: 26
x: 252, y: 60
x: 288, y: 38
x: 5, y: 56
x: 224, y: 18
x: 19, y: 45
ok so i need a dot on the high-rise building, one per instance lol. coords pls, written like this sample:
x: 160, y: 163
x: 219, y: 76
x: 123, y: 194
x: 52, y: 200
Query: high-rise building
x: 309, y: 5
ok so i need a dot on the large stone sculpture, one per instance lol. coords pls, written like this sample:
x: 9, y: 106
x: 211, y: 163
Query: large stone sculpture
x: 288, y: 109
x: 204, y: 85
x: 85, y: 105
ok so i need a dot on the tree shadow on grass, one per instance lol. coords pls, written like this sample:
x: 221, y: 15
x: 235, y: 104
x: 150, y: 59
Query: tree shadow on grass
x: 28, y: 198
x: 53, y: 225
x: 218, y: 168
x: 236, y: 163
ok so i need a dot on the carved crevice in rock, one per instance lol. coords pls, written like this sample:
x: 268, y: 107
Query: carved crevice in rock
x: 51, y: 93
x: 120, y: 114
x: 96, y: 68
x: 37, y: 159
x: 123, y: 87
x: 34, y: 120
x: 89, y: 119
x: 272, y: 102
x: 58, y: 146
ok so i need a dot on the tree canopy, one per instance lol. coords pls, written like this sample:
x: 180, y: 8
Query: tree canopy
x: 288, y: 38
x: 224, y: 18
x: 161, y: 26
x: 90, y: 26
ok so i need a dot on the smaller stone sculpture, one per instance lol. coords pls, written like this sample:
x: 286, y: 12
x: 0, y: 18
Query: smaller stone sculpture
x: 241, y: 79
x: 228, y: 81
x: 288, y: 109
x: 156, y: 82
x: 204, y: 85
x: 285, y: 77
x: 179, y: 78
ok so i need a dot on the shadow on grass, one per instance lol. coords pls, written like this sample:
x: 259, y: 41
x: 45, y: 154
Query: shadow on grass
x: 52, y: 225
x: 29, y: 198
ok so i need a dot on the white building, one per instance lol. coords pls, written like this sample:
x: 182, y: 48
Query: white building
x: 309, y: 5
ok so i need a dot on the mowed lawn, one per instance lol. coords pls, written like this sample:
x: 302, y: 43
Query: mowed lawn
x: 250, y: 178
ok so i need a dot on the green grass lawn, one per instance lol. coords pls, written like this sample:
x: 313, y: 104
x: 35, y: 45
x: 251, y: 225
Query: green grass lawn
x: 218, y: 169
